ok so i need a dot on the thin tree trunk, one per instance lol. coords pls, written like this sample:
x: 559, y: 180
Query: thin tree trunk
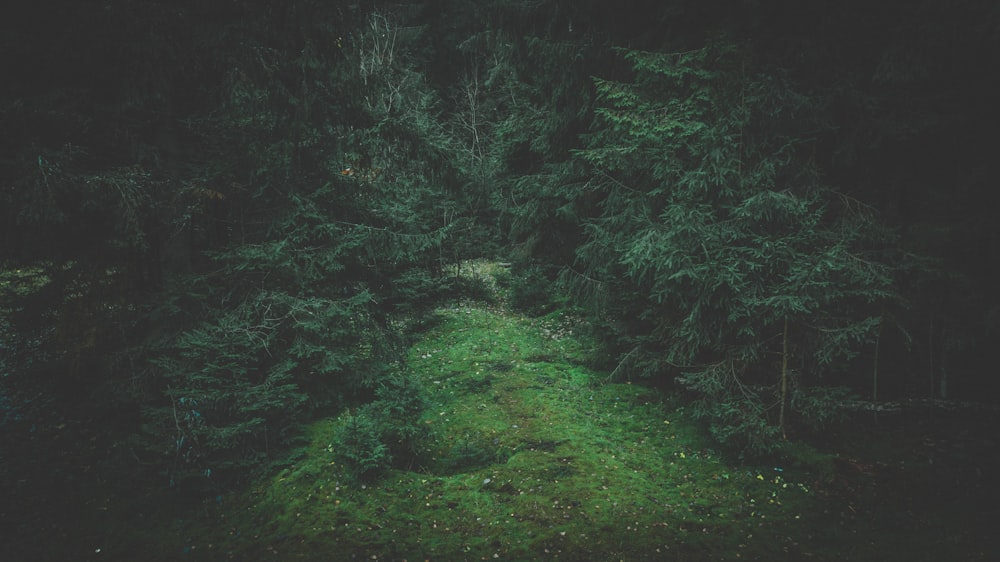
x: 930, y: 352
x: 784, y: 379
x: 878, y: 340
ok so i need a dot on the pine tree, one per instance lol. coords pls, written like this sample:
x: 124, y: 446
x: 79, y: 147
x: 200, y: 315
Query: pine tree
x: 335, y: 221
x: 719, y: 255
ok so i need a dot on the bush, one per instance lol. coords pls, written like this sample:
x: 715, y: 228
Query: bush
x: 361, y: 443
x: 384, y: 430
x: 741, y: 426
x: 531, y: 291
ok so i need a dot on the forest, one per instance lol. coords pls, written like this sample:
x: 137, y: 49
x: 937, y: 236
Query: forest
x: 674, y: 280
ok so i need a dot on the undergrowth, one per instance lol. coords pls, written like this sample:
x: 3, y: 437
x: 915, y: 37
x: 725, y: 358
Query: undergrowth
x: 522, y: 452
x: 526, y: 453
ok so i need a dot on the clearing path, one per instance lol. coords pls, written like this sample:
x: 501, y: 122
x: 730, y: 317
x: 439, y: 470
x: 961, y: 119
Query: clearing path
x: 527, y: 454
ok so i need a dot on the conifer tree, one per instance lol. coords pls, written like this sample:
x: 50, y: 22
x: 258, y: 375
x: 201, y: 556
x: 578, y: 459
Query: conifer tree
x: 333, y: 218
x: 718, y: 254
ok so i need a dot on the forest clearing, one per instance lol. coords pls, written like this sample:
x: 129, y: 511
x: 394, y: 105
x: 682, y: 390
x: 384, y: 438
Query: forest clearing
x: 524, y: 452
x: 499, y: 279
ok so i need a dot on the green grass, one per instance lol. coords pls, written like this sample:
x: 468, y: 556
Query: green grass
x: 530, y: 455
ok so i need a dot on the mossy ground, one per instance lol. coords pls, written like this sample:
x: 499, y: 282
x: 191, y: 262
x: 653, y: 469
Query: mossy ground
x: 530, y: 455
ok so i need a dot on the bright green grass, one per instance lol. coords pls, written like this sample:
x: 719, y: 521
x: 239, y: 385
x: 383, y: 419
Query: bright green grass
x: 528, y: 456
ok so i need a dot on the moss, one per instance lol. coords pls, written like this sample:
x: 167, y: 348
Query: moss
x: 529, y: 455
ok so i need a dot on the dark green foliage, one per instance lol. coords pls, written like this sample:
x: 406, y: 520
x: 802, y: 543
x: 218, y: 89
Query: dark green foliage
x: 531, y: 291
x: 326, y: 223
x: 237, y: 385
x: 717, y: 231
x: 384, y: 432
x: 418, y: 290
x: 281, y: 329
x: 467, y: 455
x: 820, y: 406
x: 361, y: 445
x: 220, y: 220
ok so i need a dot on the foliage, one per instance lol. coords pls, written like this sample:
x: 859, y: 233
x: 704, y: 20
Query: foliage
x: 361, y: 444
x: 719, y: 251
x: 821, y: 406
x: 330, y: 224
x: 221, y: 221
x: 237, y: 384
x: 531, y: 291
x: 530, y: 456
x: 382, y: 433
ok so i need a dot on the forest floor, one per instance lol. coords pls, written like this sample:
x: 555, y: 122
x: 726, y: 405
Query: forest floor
x: 529, y: 454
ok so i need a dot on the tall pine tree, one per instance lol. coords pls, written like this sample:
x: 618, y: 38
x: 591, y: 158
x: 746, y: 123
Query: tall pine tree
x: 717, y: 254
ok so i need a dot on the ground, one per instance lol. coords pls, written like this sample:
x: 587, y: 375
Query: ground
x: 529, y: 454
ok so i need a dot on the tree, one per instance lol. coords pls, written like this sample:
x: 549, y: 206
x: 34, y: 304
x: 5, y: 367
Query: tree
x: 332, y: 190
x: 717, y: 253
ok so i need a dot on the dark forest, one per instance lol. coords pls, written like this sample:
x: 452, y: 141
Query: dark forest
x: 275, y: 276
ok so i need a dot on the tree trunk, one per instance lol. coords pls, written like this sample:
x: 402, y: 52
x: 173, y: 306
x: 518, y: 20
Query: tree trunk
x: 784, y: 379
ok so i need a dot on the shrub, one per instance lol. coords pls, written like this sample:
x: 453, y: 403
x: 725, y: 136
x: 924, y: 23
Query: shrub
x: 361, y: 443
x: 384, y: 431
x: 531, y: 291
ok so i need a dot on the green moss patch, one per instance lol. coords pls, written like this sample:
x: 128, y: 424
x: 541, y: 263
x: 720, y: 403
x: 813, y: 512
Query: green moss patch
x: 529, y: 455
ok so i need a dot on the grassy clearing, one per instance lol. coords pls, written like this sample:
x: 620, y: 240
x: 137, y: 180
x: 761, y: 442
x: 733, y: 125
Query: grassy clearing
x: 528, y: 455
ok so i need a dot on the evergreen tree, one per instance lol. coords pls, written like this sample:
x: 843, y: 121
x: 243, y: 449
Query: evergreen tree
x: 333, y: 217
x: 718, y: 254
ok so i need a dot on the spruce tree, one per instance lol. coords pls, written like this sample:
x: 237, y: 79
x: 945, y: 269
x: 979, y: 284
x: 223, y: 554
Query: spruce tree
x: 331, y: 221
x: 718, y: 254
